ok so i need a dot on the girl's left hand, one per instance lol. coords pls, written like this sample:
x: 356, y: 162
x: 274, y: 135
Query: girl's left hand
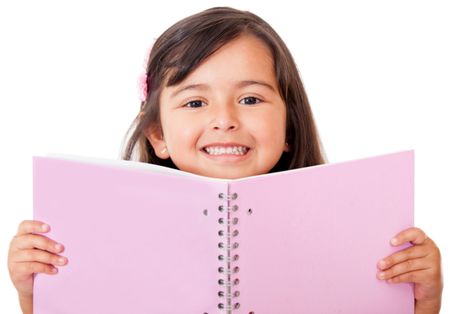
x: 420, y: 264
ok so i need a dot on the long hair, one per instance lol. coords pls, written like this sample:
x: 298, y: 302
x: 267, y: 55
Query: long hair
x: 186, y: 44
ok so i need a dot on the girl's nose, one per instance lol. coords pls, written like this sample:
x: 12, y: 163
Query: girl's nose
x: 225, y: 118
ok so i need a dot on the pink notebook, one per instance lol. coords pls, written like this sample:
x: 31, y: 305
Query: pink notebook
x: 142, y: 238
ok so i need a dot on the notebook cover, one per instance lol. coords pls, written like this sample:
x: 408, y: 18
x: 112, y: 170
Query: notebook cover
x: 141, y: 242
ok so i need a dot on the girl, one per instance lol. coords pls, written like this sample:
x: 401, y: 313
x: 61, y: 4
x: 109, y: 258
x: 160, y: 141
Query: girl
x: 223, y: 98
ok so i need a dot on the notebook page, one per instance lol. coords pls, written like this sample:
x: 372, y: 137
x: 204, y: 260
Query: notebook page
x: 137, y: 241
x: 311, y: 242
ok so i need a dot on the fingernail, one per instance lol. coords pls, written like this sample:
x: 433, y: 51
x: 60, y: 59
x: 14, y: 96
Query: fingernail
x: 61, y: 260
x: 58, y: 247
x: 382, y: 263
x: 381, y: 275
x: 54, y: 270
x: 395, y: 241
x: 45, y: 227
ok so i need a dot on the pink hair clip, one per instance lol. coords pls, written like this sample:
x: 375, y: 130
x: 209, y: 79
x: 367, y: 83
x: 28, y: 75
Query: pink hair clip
x: 142, y: 84
x: 143, y: 89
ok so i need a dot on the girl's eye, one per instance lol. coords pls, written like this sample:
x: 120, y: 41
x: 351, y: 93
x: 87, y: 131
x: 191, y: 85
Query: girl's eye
x: 250, y: 100
x: 194, y: 104
x: 245, y: 101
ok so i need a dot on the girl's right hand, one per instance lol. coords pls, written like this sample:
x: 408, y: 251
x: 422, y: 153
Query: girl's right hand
x: 31, y: 253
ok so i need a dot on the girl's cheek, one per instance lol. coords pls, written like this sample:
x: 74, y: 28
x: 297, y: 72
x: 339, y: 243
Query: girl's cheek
x: 183, y: 136
x: 187, y: 135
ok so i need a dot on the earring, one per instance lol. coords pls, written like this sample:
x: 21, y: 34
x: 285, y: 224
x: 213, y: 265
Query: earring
x: 164, y: 150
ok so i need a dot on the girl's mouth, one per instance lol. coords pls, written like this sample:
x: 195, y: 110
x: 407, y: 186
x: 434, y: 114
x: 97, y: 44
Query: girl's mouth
x: 228, y: 150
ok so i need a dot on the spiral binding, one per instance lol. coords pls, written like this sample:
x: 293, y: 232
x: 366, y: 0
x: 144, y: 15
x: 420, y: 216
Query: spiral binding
x: 229, y: 285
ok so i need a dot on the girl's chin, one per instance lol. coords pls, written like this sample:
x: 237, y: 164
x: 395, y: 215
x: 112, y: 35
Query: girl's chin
x: 228, y: 172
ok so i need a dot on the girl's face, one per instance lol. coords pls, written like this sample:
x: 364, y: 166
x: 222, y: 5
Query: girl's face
x: 226, y: 119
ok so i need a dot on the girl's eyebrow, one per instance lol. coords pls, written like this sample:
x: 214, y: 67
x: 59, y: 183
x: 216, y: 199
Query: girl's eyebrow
x: 239, y: 84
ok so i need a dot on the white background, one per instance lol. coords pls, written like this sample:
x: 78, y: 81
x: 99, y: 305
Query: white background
x: 376, y: 72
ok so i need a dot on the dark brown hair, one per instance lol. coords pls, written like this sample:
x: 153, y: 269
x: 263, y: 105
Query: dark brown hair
x: 181, y: 49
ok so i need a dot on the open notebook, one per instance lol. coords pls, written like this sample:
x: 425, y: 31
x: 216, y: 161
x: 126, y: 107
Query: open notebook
x: 142, y: 238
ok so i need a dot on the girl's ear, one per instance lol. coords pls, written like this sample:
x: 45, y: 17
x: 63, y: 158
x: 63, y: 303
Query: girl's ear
x: 156, y: 139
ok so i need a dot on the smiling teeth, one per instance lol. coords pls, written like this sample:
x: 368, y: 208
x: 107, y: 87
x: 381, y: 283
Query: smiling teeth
x: 236, y: 150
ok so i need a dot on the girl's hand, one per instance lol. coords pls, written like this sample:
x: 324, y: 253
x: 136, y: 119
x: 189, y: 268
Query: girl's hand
x: 31, y: 253
x: 420, y: 264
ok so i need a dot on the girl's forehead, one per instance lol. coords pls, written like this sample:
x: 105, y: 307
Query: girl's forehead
x: 243, y: 58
